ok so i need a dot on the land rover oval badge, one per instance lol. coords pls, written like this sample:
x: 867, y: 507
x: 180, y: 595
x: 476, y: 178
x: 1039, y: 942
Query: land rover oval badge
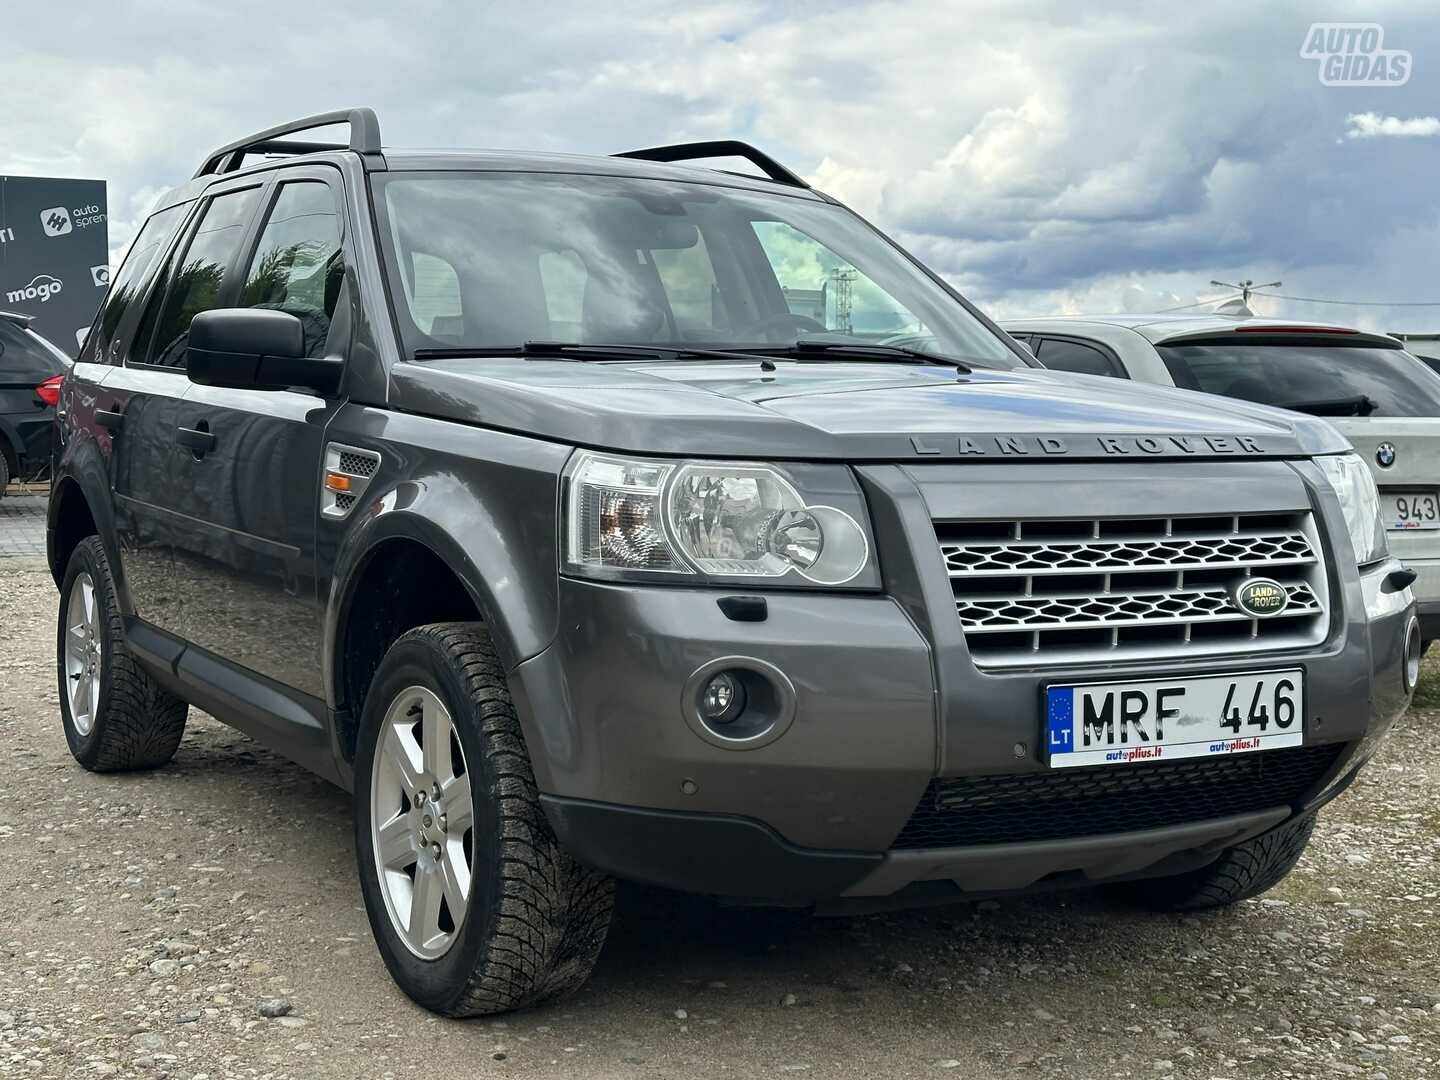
x: 1385, y: 455
x: 1261, y: 598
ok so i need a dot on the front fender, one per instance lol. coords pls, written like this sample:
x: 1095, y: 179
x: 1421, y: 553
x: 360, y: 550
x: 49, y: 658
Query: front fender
x: 487, y: 510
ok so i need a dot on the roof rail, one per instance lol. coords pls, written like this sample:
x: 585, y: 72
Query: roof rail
x: 718, y: 148
x: 364, y: 139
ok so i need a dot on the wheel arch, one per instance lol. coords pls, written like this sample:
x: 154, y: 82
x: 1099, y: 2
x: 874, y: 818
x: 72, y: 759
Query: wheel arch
x: 399, y: 571
x: 80, y: 506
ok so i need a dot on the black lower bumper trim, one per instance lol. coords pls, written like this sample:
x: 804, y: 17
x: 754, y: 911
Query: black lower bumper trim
x: 701, y: 853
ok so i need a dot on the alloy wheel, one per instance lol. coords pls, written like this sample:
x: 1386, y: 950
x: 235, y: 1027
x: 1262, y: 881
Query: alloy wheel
x: 84, y: 653
x: 422, y: 822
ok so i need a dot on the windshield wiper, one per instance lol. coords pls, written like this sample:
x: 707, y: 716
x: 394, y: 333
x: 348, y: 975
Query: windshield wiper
x: 805, y: 349
x: 581, y: 351
x: 1359, y: 405
x: 801, y: 350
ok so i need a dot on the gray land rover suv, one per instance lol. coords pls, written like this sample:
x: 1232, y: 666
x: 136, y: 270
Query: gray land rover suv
x: 584, y: 518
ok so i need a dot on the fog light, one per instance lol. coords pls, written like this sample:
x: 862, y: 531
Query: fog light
x: 723, y: 699
x: 1412, y: 655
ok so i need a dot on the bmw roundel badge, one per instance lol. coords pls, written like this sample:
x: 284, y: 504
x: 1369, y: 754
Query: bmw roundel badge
x: 1385, y: 455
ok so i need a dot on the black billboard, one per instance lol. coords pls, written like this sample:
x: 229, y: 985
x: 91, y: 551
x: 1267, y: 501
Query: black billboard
x: 54, y: 254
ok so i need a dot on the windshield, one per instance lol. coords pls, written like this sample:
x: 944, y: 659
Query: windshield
x: 491, y: 260
x: 1330, y: 380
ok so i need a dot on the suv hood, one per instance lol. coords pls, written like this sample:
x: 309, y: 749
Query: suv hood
x: 847, y: 410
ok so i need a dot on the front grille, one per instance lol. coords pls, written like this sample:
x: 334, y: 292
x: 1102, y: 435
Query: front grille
x: 1060, y: 590
x: 1067, y: 803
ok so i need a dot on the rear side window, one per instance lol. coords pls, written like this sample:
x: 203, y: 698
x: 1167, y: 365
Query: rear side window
x: 23, y: 355
x: 147, y: 247
x: 1073, y: 356
x: 1324, y: 380
x: 196, y: 285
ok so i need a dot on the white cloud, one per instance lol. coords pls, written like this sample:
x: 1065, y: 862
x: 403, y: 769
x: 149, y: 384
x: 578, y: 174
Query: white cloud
x: 1040, y: 159
x: 1371, y: 125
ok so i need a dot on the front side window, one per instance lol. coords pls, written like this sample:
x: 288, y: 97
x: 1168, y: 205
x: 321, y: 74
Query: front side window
x: 297, y: 266
x: 196, y: 285
x: 1322, y: 379
x: 154, y: 237
x: 611, y: 260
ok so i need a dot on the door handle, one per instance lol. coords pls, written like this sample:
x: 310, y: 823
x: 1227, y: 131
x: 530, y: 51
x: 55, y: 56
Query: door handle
x: 108, y: 419
x: 200, y: 440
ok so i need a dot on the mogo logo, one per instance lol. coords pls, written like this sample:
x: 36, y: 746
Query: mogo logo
x: 42, y: 287
x: 1261, y: 597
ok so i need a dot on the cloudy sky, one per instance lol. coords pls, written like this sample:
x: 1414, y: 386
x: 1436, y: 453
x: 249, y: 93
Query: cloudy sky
x: 1042, y: 159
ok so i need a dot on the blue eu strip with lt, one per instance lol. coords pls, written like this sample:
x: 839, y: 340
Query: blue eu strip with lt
x: 1060, y: 717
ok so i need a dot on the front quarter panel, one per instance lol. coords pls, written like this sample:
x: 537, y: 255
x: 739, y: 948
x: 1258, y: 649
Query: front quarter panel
x: 485, y: 502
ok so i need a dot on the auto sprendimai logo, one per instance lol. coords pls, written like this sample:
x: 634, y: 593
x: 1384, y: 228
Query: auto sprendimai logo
x: 1354, y: 54
x: 55, y: 221
x: 41, y: 287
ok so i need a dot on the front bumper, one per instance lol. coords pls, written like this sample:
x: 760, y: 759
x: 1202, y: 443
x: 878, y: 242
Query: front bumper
x: 812, y: 817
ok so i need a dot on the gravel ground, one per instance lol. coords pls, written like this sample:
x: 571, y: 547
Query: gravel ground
x: 203, y: 921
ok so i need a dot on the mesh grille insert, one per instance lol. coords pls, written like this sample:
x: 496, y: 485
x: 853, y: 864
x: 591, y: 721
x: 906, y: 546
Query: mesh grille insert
x: 1059, y: 590
x: 1068, y: 803
x: 358, y: 464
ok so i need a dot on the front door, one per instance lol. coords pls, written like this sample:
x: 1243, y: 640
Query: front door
x: 251, y: 472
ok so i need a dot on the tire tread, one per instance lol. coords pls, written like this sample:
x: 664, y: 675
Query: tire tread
x: 1242, y: 872
x: 551, y: 912
x: 139, y: 724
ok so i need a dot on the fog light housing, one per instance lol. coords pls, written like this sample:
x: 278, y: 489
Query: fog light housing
x: 723, y: 699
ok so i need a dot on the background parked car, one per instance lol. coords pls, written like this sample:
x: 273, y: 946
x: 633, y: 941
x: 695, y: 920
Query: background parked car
x: 30, y: 372
x: 1425, y: 347
x: 1381, y: 397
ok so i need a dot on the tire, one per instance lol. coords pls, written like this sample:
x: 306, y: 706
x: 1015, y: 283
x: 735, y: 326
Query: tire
x: 1243, y: 871
x: 533, y: 920
x: 125, y: 719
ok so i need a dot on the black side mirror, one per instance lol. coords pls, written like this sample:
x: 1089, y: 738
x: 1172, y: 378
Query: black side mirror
x: 255, y: 349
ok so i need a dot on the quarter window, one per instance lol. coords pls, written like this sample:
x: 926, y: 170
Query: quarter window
x: 297, y: 266
x: 196, y: 285
x: 1062, y: 355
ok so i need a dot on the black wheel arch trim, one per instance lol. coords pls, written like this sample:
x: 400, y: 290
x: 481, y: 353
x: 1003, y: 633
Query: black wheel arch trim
x: 474, y: 563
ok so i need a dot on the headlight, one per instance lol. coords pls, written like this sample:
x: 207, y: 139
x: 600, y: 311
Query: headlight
x: 1360, y: 500
x: 724, y: 520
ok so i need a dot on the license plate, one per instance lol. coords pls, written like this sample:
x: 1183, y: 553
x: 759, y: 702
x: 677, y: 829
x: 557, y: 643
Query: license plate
x: 1411, y: 510
x: 1126, y: 723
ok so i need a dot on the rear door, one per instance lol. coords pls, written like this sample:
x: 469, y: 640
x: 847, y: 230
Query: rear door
x: 138, y: 402
x: 1383, y: 399
x: 250, y: 483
